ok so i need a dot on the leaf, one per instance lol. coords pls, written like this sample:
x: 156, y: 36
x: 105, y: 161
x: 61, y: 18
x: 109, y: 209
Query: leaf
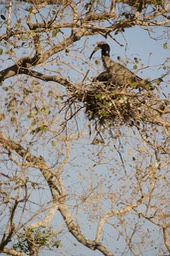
x: 5, y: 88
x: 19, y: 21
x: 29, y: 115
x: 13, y: 119
x: 136, y: 60
x: 53, y: 12
x: 1, y: 51
x: 53, y: 143
x: 55, y: 32
x: 165, y: 46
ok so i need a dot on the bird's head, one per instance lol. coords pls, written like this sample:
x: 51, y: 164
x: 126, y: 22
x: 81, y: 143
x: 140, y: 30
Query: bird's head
x: 102, y: 46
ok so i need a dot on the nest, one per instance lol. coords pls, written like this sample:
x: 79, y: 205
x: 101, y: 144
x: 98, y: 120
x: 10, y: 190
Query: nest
x: 109, y: 105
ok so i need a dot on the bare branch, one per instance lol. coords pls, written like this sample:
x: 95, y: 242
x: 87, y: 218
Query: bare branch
x: 12, y: 252
x: 166, y: 237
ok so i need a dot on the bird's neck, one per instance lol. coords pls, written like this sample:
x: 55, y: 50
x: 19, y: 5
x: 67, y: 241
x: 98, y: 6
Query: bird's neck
x: 106, y: 62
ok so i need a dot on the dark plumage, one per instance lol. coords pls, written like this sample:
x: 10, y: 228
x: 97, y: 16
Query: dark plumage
x: 103, y: 77
x: 116, y: 73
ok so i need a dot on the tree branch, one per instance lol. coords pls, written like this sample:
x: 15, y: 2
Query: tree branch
x: 16, y: 70
x: 13, y: 252
x: 58, y: 197
x: 166, y: 238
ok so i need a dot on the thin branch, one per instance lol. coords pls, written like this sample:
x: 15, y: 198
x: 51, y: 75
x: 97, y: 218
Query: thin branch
x: 47, y: 219
x: 109, y: 215
x: 9, y: 15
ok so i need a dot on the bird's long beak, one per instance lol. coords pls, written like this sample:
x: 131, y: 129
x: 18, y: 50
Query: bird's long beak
x: 95, y: 50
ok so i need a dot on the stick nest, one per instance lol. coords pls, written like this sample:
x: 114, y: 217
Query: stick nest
x: 110, y: 106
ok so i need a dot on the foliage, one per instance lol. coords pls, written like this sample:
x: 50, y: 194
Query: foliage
x: 35, y: 238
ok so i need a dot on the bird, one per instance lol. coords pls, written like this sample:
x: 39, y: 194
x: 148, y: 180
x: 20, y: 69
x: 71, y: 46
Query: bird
x: 116, y: 73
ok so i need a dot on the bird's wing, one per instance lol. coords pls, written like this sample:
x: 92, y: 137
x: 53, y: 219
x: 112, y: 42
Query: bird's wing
x: 124, y: 72
x: 122, y: 76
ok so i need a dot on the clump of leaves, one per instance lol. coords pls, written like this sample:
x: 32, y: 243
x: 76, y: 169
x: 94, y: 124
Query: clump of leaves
x: 31, y: 239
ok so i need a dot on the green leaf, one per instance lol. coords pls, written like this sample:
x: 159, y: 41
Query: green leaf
x: 7, y: 7
x: 29, y: 115
x: 5, y: 88
x: 55, y: 32
x: 13, y: 119
x: 19, y: 21
x: 53, y: 12
x: 135, y: 67
x: 165, y: 46
x: 1, y: 51
x: 53, y: 143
